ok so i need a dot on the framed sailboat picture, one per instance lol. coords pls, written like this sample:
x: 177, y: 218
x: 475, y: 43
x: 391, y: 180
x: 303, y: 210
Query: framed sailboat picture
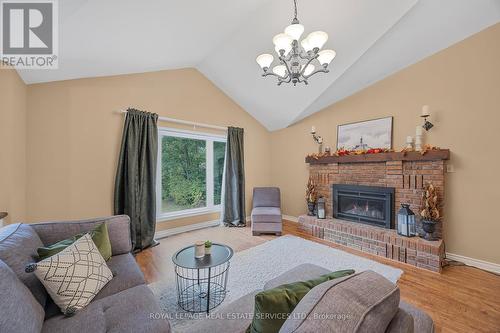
x: 364, y: 135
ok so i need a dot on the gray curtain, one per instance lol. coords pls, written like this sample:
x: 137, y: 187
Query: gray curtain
x: 135, y: 183
x: 233, y: 213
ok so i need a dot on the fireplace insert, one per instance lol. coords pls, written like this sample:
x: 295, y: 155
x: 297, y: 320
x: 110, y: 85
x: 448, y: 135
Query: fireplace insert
x: 364, y: 204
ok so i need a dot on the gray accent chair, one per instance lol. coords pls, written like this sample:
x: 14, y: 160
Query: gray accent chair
x: 266, y: 211
x: 125, y: 304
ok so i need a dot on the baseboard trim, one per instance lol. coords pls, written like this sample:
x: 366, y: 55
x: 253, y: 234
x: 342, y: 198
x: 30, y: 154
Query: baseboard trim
x: 291, y: 218
x: 487, y: 266
x: 186, y: 228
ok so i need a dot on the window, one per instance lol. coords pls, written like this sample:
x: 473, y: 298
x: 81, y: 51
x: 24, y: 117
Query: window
x: 190, y: 173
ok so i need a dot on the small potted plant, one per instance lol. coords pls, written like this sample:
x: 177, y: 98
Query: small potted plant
x: 430, y: 211
x: 208, y: 247
x: 311, y: 196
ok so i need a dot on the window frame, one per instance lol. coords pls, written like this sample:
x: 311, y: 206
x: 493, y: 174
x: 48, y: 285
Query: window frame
x: 209, y: 138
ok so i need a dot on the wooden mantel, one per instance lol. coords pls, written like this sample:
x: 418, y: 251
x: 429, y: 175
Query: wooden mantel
x: 431, y: 155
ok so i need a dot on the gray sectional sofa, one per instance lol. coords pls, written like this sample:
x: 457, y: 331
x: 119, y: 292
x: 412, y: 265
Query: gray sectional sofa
x: 125, y: 304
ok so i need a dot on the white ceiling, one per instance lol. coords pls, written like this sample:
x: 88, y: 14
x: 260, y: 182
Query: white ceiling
x: 221, y: 38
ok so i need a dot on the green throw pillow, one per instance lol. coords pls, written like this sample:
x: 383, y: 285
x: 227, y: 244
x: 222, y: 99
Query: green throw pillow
x: 273, y: 306
x: 99, y: 235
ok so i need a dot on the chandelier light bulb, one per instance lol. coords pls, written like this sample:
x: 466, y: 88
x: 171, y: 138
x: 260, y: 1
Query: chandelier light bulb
x: 265, y: 60
x: 309, y: 69
x: 325, y: 57
x: 282, y: 41
x: 294, y: 31
x: 306, y: 44
x: 317, y: 39
x: 280, y: 70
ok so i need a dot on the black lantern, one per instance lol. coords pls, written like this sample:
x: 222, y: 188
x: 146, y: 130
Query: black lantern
x: 406, y: 221
x: 321, y: 208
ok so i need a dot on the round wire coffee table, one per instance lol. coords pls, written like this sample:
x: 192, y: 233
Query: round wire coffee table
x: 201, y: 283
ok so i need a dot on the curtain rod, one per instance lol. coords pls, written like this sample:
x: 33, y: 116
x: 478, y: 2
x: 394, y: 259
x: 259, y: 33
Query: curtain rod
x: 184, y: 122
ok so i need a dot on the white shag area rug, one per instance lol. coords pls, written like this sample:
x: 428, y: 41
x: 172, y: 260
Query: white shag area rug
x: 252, y: 268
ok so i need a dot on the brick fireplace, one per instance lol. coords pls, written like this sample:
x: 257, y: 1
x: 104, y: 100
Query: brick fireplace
x: 407, y: 174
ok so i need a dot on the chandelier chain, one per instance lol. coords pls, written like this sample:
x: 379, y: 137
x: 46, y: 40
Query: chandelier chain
x: 295, y: 6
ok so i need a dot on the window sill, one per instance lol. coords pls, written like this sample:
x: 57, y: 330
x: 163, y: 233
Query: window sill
x: 187, y: 213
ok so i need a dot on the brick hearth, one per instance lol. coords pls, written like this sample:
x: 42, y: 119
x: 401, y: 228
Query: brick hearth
x: 383, y: 242
x: 408, y: 174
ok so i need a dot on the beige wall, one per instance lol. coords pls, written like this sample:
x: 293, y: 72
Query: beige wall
x: 12, y: 145
x: 462, y: 86
x: 74, y: 137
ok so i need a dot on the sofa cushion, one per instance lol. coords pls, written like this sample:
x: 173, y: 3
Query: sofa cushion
x: 401, y: 323
x: 126, y: 274
x: 27, y: 314
x: 18, y: 244
x: 266, y: 197
x: 364, y: 302
x: 272, y: 306
x: 118, y: 230
x: 422, y: 322
x: 99, y: 236
x: 75, y: 275
x: 300, y: 273
x: 266, y: 214
x: 132, y: 310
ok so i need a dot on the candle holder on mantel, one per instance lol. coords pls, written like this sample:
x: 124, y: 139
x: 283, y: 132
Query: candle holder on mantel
x: 425, y: 114
x: 318, y: 139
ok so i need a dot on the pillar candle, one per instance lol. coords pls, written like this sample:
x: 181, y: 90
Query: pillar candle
x: 419, y: 130
x: 199, y: 249
x: 425, y: 111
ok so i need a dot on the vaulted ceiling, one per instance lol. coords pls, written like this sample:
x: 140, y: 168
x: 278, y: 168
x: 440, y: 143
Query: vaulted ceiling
x: 221, y: 38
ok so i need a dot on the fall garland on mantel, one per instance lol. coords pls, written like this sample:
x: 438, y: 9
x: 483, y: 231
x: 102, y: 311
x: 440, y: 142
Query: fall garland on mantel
x: 344, y: 152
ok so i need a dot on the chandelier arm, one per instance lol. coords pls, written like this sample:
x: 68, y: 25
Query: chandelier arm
x: 307, y: 64
x: 270, y: 73
x: 302, y: 79
x: 281, y: 80
x: 289, y: 72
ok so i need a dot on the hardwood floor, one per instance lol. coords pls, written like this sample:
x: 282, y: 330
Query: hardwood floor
x: 460, y: 299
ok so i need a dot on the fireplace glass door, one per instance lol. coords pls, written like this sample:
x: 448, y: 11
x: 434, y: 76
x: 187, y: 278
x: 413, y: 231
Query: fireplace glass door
x: 362, y: 207
x: 364, y: 204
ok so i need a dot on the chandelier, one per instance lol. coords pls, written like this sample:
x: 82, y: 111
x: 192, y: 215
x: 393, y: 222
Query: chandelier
x: 296, y: 62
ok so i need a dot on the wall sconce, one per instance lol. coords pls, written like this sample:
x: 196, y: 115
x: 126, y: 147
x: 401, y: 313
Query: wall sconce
x: 318, y: 139
x: 425, y: 114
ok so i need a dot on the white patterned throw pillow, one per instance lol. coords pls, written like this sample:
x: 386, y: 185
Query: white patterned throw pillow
x: 74, y: 276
